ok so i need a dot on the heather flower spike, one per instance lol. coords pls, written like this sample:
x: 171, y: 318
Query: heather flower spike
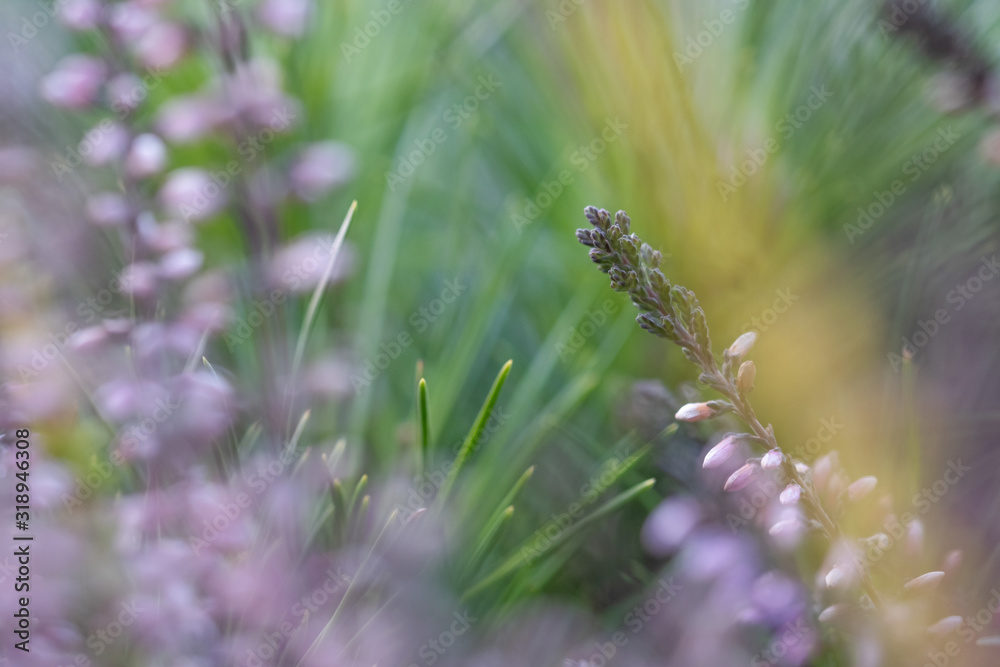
x: 674, y: 313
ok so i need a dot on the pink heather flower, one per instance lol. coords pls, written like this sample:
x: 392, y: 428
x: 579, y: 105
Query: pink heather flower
x: 192, y: 194
x: 104, y: 143
x: 187, y: 119
x: 861, y: 488
x: 146, y: 157
x: 772, y: 459
x: 835, y: 577
x: 721, y: 452
x: 162, y: 46
x: 945, y: 626
x: 741, y: 477
x: 129, y: 21
x: 88, y: 339
x: 180, y: 264
x: 80, y: 14
x: 75, y: 82
x: 287, y: 18
x: 790, y: 495
x: 694, y: 412
x: 742, y: 345
x: 108, y: 209
x: 139, y: 279
x: 299, y: 265
x: 832, y: 612
x: 320, y: 168
x: 669, y: 524
x: 785, y: 527
x: 925, y: 581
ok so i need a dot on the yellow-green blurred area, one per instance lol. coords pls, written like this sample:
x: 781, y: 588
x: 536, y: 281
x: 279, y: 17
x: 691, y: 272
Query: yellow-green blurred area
x: 803, y: 167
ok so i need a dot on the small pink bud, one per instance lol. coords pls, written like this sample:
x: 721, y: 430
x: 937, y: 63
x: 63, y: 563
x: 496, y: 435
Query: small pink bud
x: 790, y: 495
x: 694, y: 412
x: 741, y: 477
x: 742, y: 345
x: 745, y: 377
x: 925, y: 581
x: 945, y: 625
x: 146, y: 157
x: 801, y: 468
x: 719, y: 454
x: 80, y: 14
x: 861, y: 488
x: 832, y: 612
x: 772, y: 459
x: 287, y: 18
x: 74, y: 83
x: 162, y: 46
x: 784, y: 527
x: 180, y: 264
x: 320, y: 168
x: 835, y: 577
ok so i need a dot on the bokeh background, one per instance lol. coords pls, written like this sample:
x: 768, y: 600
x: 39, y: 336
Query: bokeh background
x: 819, y: 172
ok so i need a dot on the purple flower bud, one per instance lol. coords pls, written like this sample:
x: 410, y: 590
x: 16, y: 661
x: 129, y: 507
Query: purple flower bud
x: 180, y: 264
x: 88, y: 339
x: 192, y: 193
x: 103, y: 143
x: 741, y: 477
x: 915, y: 538
x: 861, y: 488
x: 835, y: 577
x: 321, y: 168
x: 299, y: 266
x: 772, y: 459
x: 139, y: 279
x: 952, y: 561
x: 832, y: 612
x: 287, y: 18
x: 694, y: 412
x: 130, y: 21
x: 162, y: 46
x: 146, y: 157
x: 742, y: 345
x: 790, y: 495
x: 74, y: 83
x: 721, y: 452
x: 108, y: 209
x: 945, y: 626
x: 187, y: 119
x: 668, y: 525
x: 925, y: 581
x: 80, y: 14
x: 785, y: 527
x: 125, y: 92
